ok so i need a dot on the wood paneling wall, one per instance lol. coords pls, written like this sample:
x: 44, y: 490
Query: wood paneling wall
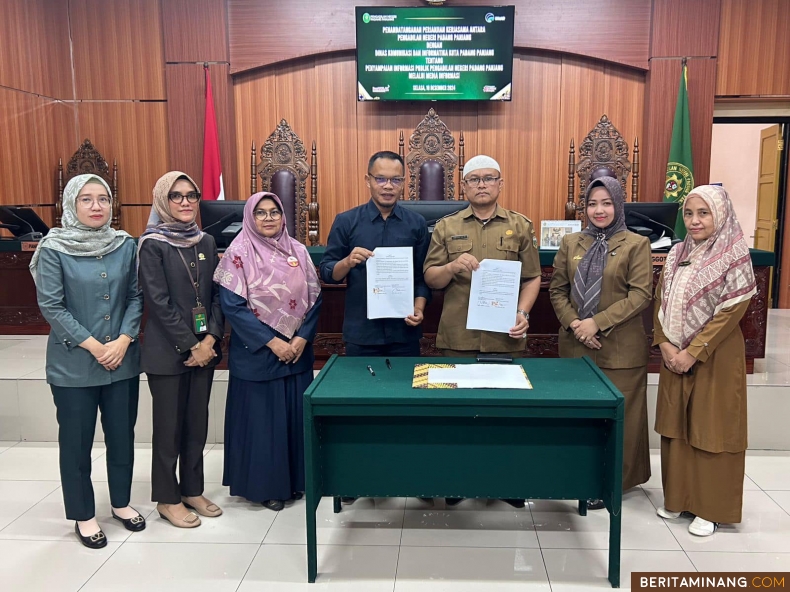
x: 675, y: 35
x: 34, y: 47
x: 264, y: 33
x: 118, y: 50
x: 186, y: 91
x: 134, y: 134
x: 195, y: 30
x: 754, y: 48
x: 554, y: 98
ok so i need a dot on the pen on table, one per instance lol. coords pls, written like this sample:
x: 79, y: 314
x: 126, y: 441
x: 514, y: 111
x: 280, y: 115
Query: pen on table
x: 371, y: 371
x: 387, y: 361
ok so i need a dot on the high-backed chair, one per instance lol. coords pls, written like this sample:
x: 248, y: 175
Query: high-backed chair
x: 603, y: 152
x: 431, y: 161
x: 87, y: 161
x: 283, y: 170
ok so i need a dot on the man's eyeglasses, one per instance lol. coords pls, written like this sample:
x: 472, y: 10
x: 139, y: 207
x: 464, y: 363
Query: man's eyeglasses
x: 264, y: 215
x: 178, y: 198
x: 396, y: 181
x: 87, y: 202
x: 474, y: 181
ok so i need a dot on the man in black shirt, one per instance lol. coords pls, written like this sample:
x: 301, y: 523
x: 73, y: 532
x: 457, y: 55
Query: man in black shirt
x: 381, y: 222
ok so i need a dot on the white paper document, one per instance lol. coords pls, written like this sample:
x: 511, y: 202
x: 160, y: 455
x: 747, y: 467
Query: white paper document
x: 499, y: 376
x: 390, y: 275
x: 493, y: 299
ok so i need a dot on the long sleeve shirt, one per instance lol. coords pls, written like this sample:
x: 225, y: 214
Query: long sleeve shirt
x: 364, y: 227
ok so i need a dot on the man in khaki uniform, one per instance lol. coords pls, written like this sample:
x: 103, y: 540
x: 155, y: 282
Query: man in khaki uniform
x: 459, y: 242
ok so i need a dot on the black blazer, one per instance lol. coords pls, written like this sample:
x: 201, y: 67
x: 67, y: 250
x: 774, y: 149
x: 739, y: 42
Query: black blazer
x: 169, y: 300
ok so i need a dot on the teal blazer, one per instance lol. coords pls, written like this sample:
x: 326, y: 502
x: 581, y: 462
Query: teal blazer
x: 89, y: 296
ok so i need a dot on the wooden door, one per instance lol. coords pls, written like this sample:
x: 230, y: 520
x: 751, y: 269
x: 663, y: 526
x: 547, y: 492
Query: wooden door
x: 768, y: 189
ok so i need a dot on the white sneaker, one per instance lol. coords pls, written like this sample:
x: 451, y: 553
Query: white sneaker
x: 702, y: 527
x: 664, y: 513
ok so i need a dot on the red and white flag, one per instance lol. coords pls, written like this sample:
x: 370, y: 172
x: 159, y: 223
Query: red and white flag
x: 212, y: 166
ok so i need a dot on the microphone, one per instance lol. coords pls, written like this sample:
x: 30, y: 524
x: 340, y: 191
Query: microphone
x: 641, y: 216
x: 224, y: 218
x: 30, y: 236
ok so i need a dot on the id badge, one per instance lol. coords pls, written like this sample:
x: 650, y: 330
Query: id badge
x: 199, y: 320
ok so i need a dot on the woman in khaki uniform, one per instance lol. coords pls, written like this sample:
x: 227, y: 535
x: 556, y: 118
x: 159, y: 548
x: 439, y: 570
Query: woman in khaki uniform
x: 603, y: 277
x: 704, y: 291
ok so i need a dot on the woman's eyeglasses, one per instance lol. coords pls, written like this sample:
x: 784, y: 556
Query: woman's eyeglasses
x: 178, y: 198
x: 264, y: 215
x: 87, y: 202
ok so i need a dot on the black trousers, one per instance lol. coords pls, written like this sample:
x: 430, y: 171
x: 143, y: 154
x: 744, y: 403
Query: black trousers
x: 76, y: 411
x: 180, y: 409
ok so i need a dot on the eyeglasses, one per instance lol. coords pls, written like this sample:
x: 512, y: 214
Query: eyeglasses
x: 396, y: 181
x: 87, y: 202
x: 473, y: 181
x: 264, y: 215
x: 178, y: 198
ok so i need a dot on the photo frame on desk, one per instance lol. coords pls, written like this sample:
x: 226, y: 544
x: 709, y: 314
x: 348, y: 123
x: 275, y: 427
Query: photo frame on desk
x: 552, y: 231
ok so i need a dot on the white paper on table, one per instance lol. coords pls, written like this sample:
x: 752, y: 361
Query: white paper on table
x: 493, y: 299
x: 500, y: 376
x: 390, y: 275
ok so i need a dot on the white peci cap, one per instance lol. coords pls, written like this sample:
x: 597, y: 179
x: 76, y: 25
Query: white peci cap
x: 480, y: 162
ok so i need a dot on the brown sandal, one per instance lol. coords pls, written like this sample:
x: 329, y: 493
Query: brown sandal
x: 191, y: 520
x: 202, y: 506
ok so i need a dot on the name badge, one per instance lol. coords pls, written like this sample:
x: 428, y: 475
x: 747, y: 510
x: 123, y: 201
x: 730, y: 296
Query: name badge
x: 460, y: 237
x: 293, y: 261
x: 199, y: 320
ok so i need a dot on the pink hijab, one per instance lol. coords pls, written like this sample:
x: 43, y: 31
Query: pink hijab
x: 274, y: 275
x: 721, y: 273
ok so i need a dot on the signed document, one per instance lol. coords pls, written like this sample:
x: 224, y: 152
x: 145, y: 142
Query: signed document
x: 493, y: 298
x: 480, y: 376
x: 390, y: 274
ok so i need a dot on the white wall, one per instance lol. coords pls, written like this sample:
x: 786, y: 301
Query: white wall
x: 735, y: 161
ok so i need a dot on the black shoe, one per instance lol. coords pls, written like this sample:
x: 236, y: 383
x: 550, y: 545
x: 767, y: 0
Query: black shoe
x: 135, y: 524
x: 297, y: 495
x: 348, y: 500
x: 595, y: 504
x: 275, y: 505
x: 95, y: 541
x: 453, y: 501
x: 516, y: 503
x: 425, y: 499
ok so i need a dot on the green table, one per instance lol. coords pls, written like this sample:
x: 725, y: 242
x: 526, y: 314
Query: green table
x: 376, y: 436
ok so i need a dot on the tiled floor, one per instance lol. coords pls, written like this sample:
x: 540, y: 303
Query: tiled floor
x: 376, y: 544
x: 393, y: 545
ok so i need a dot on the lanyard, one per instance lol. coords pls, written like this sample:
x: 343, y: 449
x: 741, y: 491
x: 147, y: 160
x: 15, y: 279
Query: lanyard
x: 196, y: 280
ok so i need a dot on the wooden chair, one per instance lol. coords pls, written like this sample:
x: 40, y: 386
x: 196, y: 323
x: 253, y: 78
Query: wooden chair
x: 87, y: 161
x: 283, y: 170
x: 431, y: 161
x: 602, y: 152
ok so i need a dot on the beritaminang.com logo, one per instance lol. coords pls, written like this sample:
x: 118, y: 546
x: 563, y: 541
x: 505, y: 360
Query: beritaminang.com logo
x: 381, y: 89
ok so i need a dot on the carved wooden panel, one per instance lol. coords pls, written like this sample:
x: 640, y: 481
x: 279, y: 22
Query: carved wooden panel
x: 431, y: 140
x: 88, y: 161
x: 284, y: 150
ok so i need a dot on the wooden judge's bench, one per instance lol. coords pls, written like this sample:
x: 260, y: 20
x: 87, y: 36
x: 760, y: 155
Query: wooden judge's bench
x: 19, y: 313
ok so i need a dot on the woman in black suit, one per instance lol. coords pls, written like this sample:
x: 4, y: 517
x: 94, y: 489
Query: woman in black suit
x: 181, y: 346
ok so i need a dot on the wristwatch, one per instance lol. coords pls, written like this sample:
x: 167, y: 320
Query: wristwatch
x: 195, y: 347
x: 522, y: 312
x: 131, y: 339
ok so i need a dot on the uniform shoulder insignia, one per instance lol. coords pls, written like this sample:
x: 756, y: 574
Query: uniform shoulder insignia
x: 521, y: 215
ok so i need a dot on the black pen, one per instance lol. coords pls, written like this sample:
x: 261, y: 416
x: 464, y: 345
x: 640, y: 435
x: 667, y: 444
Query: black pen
x: 387, y: 361
x: 371, y: 371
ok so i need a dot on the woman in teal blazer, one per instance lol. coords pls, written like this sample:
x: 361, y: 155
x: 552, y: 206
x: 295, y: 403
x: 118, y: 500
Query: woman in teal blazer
x: 86, y: 281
